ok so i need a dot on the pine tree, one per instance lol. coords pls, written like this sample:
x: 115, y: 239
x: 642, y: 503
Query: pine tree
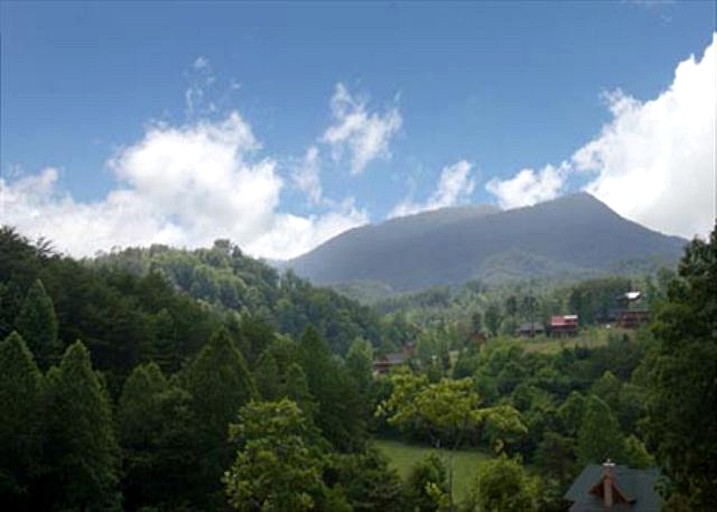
x: 155, y: 431
x: 80, y: 445
x: 220, y: 384
x: 37, y: 324
x: 20, y: 423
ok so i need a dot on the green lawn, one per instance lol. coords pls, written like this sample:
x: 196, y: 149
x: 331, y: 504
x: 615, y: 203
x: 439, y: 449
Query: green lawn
x: 588, y: 338
x: 403, y: 456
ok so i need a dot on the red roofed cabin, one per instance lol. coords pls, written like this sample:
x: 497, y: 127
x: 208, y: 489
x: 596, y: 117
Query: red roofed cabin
x: 563, y: 326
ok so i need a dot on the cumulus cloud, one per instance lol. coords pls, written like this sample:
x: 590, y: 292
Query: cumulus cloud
x: 653, y: 163
x: 183, y: 186
x: 363, y: 134
x: 454, y: 187
x: 528, y: 186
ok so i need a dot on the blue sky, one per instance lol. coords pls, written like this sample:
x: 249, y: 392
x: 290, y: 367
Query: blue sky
x: 279, y: 125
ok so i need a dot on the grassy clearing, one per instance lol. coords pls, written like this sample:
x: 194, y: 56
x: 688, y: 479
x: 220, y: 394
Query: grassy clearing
x: 403, y: 456
x: 588, y: 338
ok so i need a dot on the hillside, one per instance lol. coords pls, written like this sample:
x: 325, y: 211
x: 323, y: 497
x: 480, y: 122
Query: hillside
x: 575, y: 235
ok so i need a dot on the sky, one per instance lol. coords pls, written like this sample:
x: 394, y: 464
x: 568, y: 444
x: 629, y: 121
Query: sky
x: 280, y: 125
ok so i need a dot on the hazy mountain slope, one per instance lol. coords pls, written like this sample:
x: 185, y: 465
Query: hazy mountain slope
x: 573, y: 234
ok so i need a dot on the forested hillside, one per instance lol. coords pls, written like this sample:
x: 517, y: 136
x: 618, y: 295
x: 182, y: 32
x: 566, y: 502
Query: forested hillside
x: 161, y: 379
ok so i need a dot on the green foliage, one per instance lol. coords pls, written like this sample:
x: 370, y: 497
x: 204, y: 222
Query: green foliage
x: 592, y: 300
x: 426, y: 485
x: 341, y: 409
x: 502, y: 485
x: 219, y: 383
x: 275, y: 468
x: 81, y: 451
x: 599, y: 437
x: 21, y: 427
x: 682, y: 376
x: 155, y: 429
x: 37, y: 324
x: 445, y: 410
x: 367, y: 482
x: 359, y: 362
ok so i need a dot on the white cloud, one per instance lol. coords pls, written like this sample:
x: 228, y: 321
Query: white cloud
x: 306, y: 176
x: 655, y: 161
x: 528, y: 187
x: 364, y: 134
x: 200, y: 79
x: 454, y: 187
x: 292, y: 235
x: 182, y: 186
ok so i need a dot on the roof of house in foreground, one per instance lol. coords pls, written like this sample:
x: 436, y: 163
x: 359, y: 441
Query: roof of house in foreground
x: 636, y: 485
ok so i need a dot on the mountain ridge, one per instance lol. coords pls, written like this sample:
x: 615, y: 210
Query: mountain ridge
x: 453, y: 245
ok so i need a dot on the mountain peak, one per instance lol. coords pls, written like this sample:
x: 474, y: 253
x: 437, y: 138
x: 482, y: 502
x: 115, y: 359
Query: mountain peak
x: 574, y: 234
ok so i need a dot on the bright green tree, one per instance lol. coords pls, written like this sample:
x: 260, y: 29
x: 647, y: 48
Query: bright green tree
x: 21, y: 429
x: 681, y: 420
x: 37, y: 324
x: 502, y: 485
x: 275, y: 467
x: 80, y: 447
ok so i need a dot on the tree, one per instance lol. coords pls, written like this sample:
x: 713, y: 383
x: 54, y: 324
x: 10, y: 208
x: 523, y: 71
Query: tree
x: 21, y: 428
x: 681, y: 426
x: 342, y: 411
x: 599, y: 437
x: 426, y: 485
x: 37, y: 324
x: 366, y: 481
x: 275, y: 468
x: 446, y: 410
x: 359, y: 362
x: 219, y: 383
x: 80, y: 447
x: 503, y: 486
x: 155, y: 431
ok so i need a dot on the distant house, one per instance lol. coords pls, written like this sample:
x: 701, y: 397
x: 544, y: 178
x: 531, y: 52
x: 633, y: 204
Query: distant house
x: 563, y: 326
x: 614, y: 488
x: 530, y: 329
x: 633, y: 312
x: 382, y: 365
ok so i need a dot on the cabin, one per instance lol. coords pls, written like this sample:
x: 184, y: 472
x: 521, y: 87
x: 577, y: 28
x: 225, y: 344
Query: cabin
x: 563, y: 326
x: 384, y: 364
x: 609, y: 487
x: 633, y: 312
x: 530, y: 329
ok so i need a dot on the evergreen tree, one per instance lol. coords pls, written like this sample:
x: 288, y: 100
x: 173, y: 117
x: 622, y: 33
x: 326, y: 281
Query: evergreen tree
x: 342, y: 412
x: 219, y: 383
x: 20, y: 423
x: 681, y: 422
x: 80, y: 445
x: 155, y: 430
x: 37, y: 324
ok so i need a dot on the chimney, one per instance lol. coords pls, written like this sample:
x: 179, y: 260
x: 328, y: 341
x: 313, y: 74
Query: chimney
x: 607, y: 481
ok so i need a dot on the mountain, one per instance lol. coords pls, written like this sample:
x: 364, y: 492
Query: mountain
x: 574, y: 235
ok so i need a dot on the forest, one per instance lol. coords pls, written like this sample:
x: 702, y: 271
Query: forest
x: 160, y: 379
